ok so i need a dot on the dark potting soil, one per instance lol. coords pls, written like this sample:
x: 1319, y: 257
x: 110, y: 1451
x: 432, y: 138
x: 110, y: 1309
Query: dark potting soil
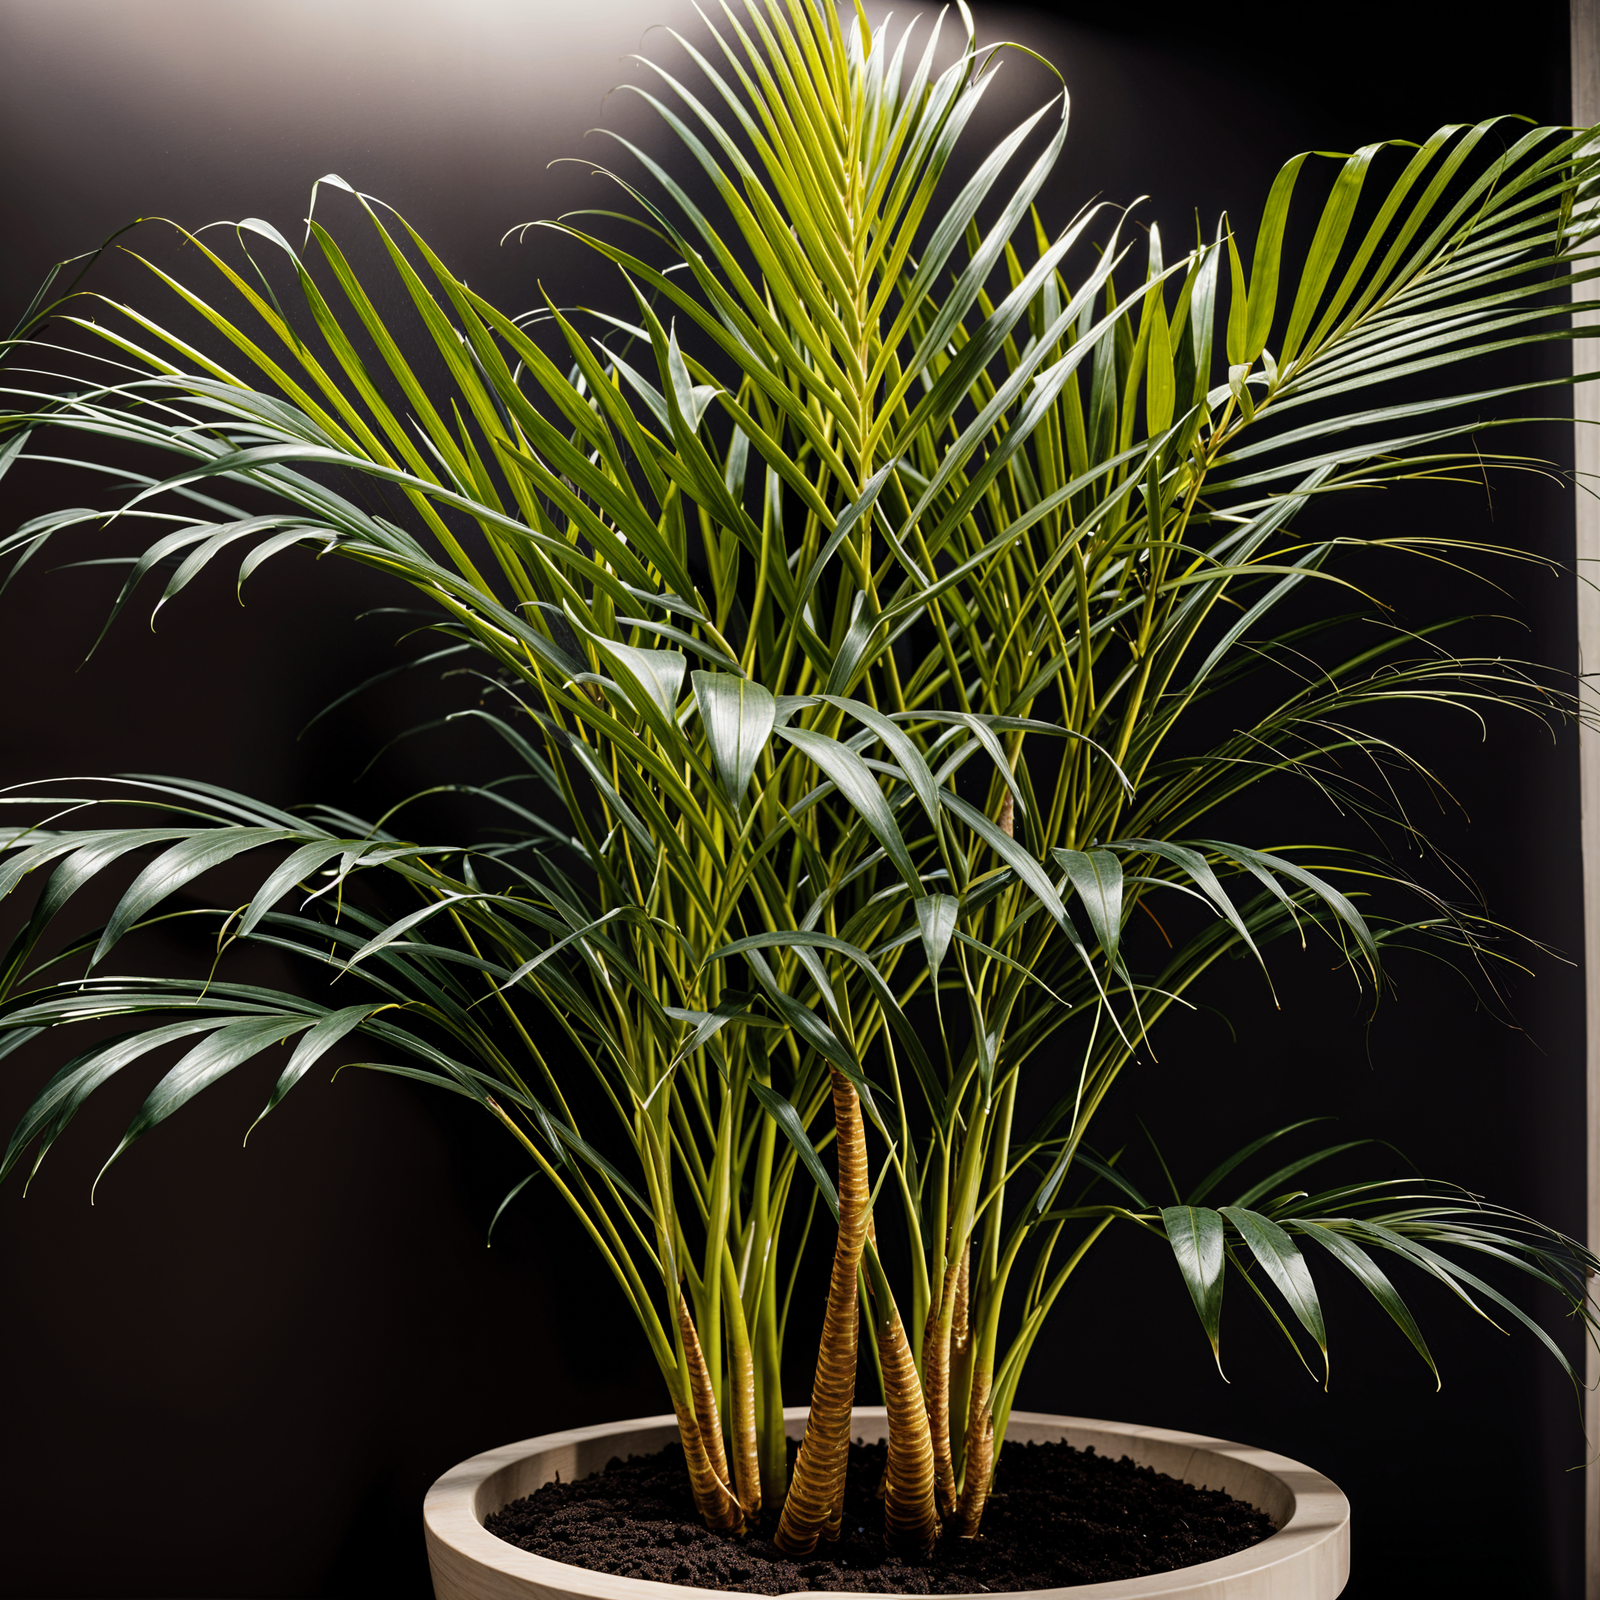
x: 1057, y: 1516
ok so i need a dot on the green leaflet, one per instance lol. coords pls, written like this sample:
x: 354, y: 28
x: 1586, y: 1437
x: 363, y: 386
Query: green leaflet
x: 176, y: 866
x: 203, y: 1064
x: 1262, y: 865
x: 1267, y: 262
x: 651, y: 680
x: 1197, y: 1236
x: 1096, y: 875
x: 300, y: 864
x: 315, y: 1043
x: 1198, y: 870
x: 738, y: 717
x: 511, y: 1194
x: 843, y: 527
x: 1372, y: 1277
x: 854, y: 780
x: 1015, y: 857
x: 1326, y: 246
x: 936, y: 918
x: 902, y: 747
x: 1281, y: 1260
x: 1160, y: 382
x: 60, y: 1098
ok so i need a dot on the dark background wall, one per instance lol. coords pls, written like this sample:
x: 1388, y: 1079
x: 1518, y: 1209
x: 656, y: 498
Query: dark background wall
x: 237, y: 1372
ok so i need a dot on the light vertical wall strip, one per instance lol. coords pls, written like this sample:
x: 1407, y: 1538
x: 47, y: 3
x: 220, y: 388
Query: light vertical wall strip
x: 1586, y: 457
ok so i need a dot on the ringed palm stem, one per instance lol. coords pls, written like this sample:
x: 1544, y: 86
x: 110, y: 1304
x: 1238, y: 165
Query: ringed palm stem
x: 960, y: 1379
x: 910, y: 1511
x: 936, y: 1350
x: 977, y: 1454
x: 742, y: 1411
x: 708, y: 1461
x: 811, y: 1508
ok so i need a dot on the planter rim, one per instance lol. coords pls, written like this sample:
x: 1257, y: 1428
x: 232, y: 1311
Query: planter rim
x: 1308, y: 1558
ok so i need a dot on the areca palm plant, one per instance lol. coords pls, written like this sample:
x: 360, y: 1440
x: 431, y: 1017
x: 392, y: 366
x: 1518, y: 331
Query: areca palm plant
x: 850, y: 596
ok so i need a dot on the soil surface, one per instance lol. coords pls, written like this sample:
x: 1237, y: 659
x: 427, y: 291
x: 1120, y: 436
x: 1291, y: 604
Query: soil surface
x: 1056, y: 1517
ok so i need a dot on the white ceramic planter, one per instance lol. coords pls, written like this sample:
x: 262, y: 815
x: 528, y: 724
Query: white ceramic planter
x: 1308, y: 1558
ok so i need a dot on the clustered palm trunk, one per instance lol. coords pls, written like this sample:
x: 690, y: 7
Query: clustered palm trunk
x: 919, y: 1486
x: 846, y: 600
